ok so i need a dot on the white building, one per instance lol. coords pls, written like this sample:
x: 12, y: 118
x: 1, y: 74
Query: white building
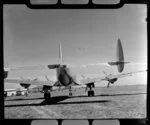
x: 14, y: 92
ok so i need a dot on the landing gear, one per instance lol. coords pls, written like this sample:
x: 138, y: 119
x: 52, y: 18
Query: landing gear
x: 91, y: 91
x: 47, y: 92
x: 26, y: 93
x: 108, y: 84
x: 70, y: 94
x: 47, y: 95
x: 70, y: 91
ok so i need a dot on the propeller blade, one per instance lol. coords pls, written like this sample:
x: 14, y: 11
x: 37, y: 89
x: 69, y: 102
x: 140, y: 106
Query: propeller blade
x: 21, y: 78
x: 47, y: 78
x: 108, y: 84
x: 35, y: 79
x: 105, y: 73
x: 86, y: 88
x: 83, y: 76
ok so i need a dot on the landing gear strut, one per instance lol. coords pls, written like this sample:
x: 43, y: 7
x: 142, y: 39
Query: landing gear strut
x: 91, y: 91
x: 108, y: 84
x: 70, y: 91
x: 27, y: 92
x: 47, y: 92
x: 47, y: 95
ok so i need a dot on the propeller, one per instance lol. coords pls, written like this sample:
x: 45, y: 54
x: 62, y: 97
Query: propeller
x: 105, y: 73
x: 83, y: 76
x: 86, y: 88
x: 108, y: 79
x: 108, y: 84
x: 21, y: 78
x: 35, y: 79
x: 47, y: 78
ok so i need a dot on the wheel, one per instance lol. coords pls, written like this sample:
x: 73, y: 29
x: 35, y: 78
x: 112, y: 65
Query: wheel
x: 89, y: 93
x: 70, y: 94
x: 92, y: 93
x: 26, y: 94
x: 47, y: 95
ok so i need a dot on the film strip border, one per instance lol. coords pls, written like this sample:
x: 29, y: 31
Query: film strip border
x: 59, y: 4
x: 76, y: 122
x: 89, y: 5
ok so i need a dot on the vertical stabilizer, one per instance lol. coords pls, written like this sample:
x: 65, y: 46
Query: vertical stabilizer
x: 54, y: 66
x: 120, y: 56
x: 60, y: 53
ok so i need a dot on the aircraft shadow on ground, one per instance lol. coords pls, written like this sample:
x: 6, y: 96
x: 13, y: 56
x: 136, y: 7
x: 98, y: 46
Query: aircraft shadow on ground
x: 23, y: 99
x: 56, y: 101
x: 110, y: 95
x: 79, y: 96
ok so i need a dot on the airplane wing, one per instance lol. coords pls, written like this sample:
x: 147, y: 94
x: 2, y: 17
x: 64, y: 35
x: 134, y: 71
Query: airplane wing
x: 110, y: 78
x: 91, y: 80
x: 35, y: 67
x: 31, y: 82
x: 86, y: 81
x: 122, y: 75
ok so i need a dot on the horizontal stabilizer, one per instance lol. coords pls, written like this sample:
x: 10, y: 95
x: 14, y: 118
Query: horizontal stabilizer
x: 54, y: 66
x: 112, y: 63
x: 117, y: 63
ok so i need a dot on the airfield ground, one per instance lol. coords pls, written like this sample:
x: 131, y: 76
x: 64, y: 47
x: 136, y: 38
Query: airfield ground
x: 114, y: 102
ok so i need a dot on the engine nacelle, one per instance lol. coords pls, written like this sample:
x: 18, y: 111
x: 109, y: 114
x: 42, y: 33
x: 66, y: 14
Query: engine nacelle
x: 113, y: 80
x: 46, y: 87
x: 5, y: 74
x: 25, y: 85
x: 91, y: 85
x: 54, y: 66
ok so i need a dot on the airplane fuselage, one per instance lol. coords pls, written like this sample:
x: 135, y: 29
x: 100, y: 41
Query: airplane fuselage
x: 63, y: 76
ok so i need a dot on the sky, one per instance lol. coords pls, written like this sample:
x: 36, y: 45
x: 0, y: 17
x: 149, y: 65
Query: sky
x: 88, y: 38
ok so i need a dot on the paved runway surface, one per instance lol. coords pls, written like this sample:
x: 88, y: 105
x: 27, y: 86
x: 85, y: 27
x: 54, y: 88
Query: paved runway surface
x: 113, y: 102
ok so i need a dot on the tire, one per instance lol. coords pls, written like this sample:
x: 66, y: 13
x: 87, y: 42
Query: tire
x: 92, y: 93
x: 89, y: 93
x: 70, y: 94
x: 48, y: 95
x: 45, y: 95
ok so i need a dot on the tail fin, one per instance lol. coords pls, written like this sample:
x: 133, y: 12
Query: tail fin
x: 55, y: 66
x: 120, y: 57
x: 60, y: 53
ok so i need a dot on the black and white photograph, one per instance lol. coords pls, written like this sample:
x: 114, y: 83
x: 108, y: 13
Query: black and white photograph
x: 75, y: 63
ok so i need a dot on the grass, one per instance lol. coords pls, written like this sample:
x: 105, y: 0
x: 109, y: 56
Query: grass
x: 113, y: 102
